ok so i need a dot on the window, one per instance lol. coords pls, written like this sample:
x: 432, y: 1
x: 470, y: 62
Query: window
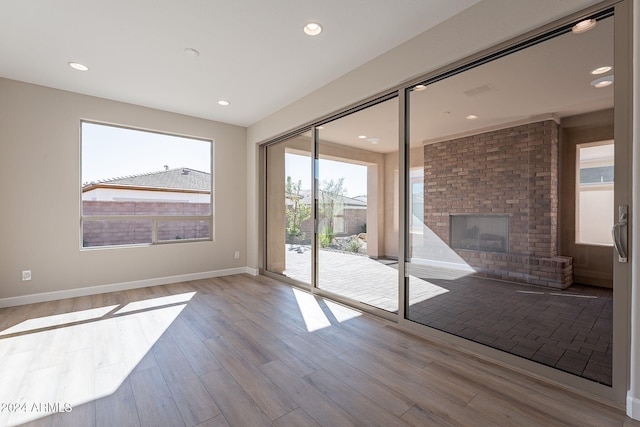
x: 142, y: 187
x: 594, y: 216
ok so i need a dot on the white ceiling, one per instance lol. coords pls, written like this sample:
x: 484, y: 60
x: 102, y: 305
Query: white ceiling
x: 550, y: 79
x: 252, y: 52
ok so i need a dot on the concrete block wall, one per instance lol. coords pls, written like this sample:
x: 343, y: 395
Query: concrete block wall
x: 107, y: 233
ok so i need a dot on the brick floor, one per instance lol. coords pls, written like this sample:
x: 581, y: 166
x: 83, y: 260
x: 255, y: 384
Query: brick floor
x: 570, y: 330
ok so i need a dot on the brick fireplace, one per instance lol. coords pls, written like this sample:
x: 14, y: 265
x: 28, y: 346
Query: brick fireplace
x: 509, y: 174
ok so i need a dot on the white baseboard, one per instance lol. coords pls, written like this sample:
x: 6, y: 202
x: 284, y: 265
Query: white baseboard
x: 633, y: 407
x: 252, y: 271
x: 93, y: 290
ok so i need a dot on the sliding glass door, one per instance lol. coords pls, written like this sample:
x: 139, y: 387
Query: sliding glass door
x: 289, y: 223
x: 511, y: 203
x: 357, y: 206
x: 486, y: 205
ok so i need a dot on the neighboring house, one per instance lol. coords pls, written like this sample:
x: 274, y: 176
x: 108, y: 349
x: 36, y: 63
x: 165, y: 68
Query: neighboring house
x: 152, y: 196
x: 170, y: 185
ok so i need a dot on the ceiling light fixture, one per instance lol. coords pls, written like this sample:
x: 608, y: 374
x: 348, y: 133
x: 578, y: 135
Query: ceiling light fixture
x: 191, y: 52
x: 374, y: 141
x: 472, y: 117
x: 362, y: 136
x: 223, y: 102
x: 312, y: 29
x: 601, y: 70
x: 602, y: 82
x: 583, y: 26
x: 419, y: 88
x: 78, y: 66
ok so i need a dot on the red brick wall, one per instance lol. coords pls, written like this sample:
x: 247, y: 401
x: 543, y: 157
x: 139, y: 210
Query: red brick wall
x: 107, y: 233
x: 510, y: 171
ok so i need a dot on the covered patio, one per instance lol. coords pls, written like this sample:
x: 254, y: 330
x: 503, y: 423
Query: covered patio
x: 570, y: 329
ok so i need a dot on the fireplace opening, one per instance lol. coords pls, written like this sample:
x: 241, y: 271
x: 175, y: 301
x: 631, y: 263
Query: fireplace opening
x: 487, y: 233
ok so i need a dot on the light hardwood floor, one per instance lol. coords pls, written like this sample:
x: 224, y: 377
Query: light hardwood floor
x: 249, y: 351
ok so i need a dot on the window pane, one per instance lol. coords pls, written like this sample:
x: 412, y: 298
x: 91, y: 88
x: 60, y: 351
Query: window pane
x: 114, y: 233
x: 183, y: 230
x: 357, y: 206
x: 127, y: 172
x: 289, y: 229
x: 594, y: 216
x: 489, y: 255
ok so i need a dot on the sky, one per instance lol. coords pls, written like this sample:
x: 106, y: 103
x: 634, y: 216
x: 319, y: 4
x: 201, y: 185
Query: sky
x: 355, y: 176
x: 111, y: 152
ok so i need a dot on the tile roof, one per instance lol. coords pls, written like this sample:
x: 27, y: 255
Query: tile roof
x: 347, y: 201
x: 171, y: 179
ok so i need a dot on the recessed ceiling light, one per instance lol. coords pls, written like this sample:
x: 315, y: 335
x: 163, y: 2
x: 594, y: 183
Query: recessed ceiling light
x: 601, y: 70
x: 602, y: 82
x: 418, y: 88
x: 191, y: 52
x: 583, y: 26
x: 223, y: 102
x: 362, y: 136
x: 78, y: 66
x: 374, y: 141
x: 472, y: 117
x: 312, y: 29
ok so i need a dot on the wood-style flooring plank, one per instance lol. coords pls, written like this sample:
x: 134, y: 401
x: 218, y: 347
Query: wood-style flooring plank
x: 506, y: 415
x: 154, y: 402
x: 219, y: 421
x: 319, y: 407
x: 193, y: 348
x: 117, y: 408
x: 80, y: 416
x: 269, y: 397
x: 191, y: 398
x: 427, y: 399
x: 275, y: 348
x: 236, y: 405
x: 296, y: 418
x: 365, y: 410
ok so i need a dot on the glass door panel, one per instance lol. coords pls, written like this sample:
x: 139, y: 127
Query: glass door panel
x: 357, y: 206
x: 510, y: 212
x: 288, y: 208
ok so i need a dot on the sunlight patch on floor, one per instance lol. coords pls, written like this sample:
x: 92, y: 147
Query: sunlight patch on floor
x: 312, y: 314
x: 58, y: 319
x: 341, y: 312
x: 78, y: 363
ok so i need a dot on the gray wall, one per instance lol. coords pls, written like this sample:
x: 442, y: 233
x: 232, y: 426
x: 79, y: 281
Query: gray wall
x: 40, y: 195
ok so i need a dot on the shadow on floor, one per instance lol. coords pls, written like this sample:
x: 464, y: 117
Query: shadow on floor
x: 570, y: 329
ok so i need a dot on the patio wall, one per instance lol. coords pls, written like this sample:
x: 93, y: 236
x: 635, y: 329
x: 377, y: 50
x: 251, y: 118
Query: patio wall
x: 107, y: 233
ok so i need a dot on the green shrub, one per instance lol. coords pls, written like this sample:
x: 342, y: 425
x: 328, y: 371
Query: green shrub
x: 354, y: 246
x: 325, y: 237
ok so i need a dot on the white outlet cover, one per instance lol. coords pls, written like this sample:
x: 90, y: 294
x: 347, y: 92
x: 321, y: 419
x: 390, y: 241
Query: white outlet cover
x: 26, y: 275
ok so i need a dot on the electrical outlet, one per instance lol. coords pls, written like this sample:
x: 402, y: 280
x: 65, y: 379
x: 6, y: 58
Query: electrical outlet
x: 237, y: 255
x: 26, y: 275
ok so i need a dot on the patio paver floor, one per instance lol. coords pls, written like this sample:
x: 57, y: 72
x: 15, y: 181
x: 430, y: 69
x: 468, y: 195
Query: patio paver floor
x: 570, y: 329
